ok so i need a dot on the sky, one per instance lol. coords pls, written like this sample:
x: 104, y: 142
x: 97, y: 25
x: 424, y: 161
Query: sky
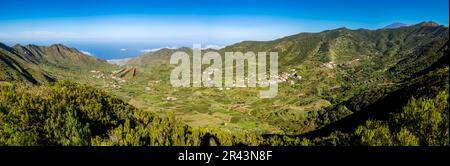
x: 112, y: 29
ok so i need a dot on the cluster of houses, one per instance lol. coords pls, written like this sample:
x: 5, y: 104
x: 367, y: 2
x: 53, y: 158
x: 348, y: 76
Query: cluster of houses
x: 114, y: 83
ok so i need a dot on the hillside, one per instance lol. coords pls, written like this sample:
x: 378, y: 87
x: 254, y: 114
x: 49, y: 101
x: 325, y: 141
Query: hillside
x: 155, y: 57
x: 335, y: 67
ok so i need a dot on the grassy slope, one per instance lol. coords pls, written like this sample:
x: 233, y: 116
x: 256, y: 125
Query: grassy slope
x: 364, y: 61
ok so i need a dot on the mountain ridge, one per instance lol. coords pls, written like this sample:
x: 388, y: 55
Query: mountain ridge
x: 336, y: 66
x: 395, y: 25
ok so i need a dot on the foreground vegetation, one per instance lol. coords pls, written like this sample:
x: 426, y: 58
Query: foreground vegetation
x: 67, y: 113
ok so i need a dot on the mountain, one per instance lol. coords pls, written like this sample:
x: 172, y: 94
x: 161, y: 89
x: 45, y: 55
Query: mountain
x: 339, y: 87
x: 40, y: 64
x: 14, y: 67
x: 428, y: 24
x: 119, y: 62
x: 395, y: 25
x: 332, y: 45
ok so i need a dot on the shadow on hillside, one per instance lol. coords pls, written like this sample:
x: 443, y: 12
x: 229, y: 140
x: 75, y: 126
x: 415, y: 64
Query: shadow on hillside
x: 427, y: 85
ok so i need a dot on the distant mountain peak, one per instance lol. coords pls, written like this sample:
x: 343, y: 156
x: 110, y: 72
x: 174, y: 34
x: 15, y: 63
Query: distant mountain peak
x: 3, y: 45
x: 395, y: 25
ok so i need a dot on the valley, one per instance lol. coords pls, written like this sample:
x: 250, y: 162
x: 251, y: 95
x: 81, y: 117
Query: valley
x: 326, y: 79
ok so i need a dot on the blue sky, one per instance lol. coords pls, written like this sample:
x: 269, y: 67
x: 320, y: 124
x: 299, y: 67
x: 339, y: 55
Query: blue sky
x: 116, y: 29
